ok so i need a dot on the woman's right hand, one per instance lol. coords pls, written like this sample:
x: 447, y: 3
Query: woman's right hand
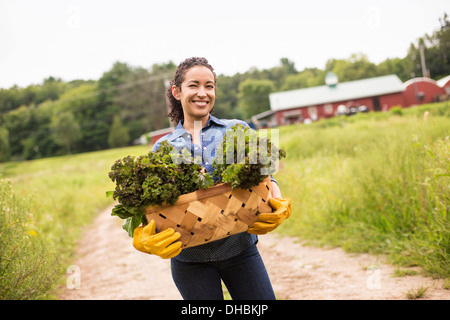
x: 163, y: 244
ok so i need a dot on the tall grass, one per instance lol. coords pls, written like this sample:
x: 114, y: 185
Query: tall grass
x: 45, y: 205
x: 26, y: 266
x: 373, y: 185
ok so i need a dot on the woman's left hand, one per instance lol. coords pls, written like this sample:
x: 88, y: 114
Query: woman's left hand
x: 270, y: 221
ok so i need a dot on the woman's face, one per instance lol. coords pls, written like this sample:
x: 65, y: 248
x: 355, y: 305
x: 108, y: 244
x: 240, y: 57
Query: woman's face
x: 197, y: 93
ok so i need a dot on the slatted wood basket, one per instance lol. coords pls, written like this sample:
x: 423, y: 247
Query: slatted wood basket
x: 212, y: 214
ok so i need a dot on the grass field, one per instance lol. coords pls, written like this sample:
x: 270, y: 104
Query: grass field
x: 373, y: 184
x: 44, y: 209
x: 377, y: 182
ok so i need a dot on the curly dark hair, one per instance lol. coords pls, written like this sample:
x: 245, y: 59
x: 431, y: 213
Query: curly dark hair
x: 175, y: 108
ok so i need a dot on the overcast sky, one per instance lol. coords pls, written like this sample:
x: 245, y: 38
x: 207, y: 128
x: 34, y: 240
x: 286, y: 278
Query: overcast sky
x: 82, y: 39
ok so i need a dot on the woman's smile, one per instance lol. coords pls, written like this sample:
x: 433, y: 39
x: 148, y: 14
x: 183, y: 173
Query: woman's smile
x: 200, y: 103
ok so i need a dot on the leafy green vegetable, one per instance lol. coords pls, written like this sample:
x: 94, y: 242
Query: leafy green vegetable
x: 153, y: 179
x: 160, y: 177
x: 245, y: 159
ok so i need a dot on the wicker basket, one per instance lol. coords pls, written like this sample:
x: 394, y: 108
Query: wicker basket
x: 212, y: 214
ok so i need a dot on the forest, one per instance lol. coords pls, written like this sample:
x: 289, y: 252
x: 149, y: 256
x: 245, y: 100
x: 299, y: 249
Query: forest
x: 57, y: 117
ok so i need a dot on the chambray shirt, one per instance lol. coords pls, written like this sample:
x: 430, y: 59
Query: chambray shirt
x: 211, y: 137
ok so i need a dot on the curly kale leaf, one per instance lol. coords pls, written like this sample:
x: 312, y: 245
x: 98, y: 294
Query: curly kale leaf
x: 244, y: 158
x: 156, y: 178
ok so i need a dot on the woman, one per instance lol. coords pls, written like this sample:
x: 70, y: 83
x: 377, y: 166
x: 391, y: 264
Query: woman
x: 198, y: 271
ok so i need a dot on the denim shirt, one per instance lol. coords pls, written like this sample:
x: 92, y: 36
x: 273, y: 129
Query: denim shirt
x: 211, y: 137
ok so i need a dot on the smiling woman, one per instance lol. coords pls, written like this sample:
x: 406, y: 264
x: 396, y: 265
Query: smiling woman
x: 200, y: 86
x: 197, y: 94
x: 198, y: 271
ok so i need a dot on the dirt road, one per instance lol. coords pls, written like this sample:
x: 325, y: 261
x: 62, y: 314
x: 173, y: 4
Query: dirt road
x: 110, y: 268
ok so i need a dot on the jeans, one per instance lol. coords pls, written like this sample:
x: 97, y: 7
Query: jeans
x: 244, y: 275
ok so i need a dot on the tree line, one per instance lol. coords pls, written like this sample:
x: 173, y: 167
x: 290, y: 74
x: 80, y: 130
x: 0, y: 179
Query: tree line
x: 57, y: 117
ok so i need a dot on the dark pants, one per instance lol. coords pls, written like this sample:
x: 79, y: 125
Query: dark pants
x: 244, y: 275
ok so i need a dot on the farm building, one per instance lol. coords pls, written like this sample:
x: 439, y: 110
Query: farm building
x: 372, y: 94
x: 422, y: 90
x: 152, y: 137
x: 155, y: 135
x: 444, y: 83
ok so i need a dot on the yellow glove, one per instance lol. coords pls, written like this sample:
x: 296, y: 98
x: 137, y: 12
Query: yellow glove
x: 269, y: 221
x: 163, y: 244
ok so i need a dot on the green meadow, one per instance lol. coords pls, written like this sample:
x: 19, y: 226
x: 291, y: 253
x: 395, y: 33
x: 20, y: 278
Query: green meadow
x: 376, y: 183
x: 45, y: 205
x: 373, y: 183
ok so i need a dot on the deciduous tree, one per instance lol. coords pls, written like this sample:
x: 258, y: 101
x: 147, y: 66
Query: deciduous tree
x: 65, y: 130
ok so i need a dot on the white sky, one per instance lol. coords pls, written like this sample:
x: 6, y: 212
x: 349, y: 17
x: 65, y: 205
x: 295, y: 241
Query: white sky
x: 82, y: 39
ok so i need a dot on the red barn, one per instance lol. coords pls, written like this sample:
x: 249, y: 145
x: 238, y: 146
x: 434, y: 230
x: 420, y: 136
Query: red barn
x: 372, y: 94
x: 310, y: 104
x: 155, y: 135
x: 422, y: 90
x: 444, y: 83
x: 152, y: 137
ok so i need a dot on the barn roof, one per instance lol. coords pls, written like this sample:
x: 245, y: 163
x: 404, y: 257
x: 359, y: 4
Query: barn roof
x: 344, y: 91
x: 419, y: 79
x: 442, y: 82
